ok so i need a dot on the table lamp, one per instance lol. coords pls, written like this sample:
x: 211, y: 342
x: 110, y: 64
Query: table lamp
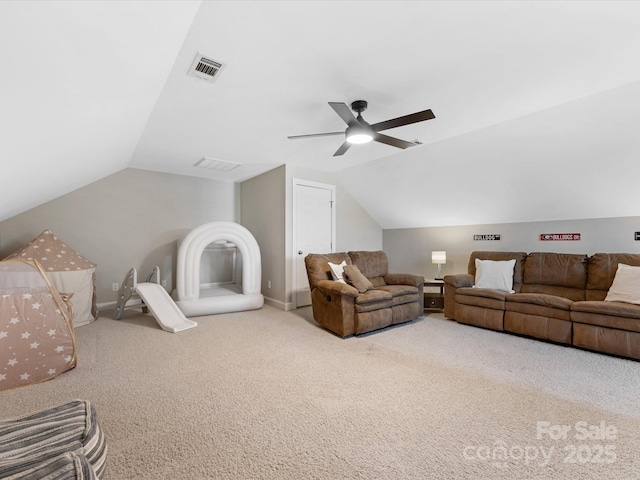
x: 439, y: 257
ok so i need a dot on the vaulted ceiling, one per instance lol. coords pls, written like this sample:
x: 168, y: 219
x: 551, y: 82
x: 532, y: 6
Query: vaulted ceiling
x: 537, y: 103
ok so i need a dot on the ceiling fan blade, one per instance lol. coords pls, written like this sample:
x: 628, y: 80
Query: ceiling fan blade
x: 294, y: 137
x: 394, y: 142
x: 344, y: 112
x: 343, y: 148
x: 405, y: 120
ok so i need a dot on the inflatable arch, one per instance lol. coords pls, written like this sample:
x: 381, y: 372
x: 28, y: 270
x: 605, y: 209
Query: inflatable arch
x: 191, y: 297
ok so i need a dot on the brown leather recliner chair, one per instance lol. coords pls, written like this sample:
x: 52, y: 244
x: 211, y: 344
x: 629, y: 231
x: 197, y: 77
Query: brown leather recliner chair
x: 344, y: 310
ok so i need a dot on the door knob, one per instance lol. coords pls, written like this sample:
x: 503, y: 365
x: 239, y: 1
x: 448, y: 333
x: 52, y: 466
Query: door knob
x: 299, y: 252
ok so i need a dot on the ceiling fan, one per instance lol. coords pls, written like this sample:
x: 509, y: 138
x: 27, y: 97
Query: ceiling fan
x: 359, y: 131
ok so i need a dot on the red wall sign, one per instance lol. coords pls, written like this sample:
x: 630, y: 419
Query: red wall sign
x: 559, y: 237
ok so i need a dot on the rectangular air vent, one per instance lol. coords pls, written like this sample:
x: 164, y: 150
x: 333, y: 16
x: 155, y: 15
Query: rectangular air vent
x: 206, y: 68
x: 215, y: 164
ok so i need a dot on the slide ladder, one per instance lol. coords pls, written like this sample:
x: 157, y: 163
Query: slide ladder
x: 152, y: 297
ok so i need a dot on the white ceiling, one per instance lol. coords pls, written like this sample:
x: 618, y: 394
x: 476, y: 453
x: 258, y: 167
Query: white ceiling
x: 537, y: 103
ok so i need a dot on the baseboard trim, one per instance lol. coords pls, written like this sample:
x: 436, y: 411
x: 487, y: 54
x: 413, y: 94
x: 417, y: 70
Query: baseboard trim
x: 111, y: 305
x: 285, y: 306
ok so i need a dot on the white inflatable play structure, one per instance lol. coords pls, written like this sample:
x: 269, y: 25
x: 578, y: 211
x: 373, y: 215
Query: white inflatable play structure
x: 196, y: 297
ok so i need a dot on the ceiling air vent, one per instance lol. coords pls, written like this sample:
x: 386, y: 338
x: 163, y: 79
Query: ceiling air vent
x: 214, y: 164
x: 206, y: 68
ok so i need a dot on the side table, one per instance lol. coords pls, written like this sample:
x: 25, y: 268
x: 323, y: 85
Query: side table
x: 433, y: 300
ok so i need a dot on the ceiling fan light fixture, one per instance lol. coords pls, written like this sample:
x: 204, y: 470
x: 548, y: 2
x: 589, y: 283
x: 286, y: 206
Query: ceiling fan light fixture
x: 357, y: 135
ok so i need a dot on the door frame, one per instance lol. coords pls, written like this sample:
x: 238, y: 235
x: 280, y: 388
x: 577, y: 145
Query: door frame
x: 294, y: 222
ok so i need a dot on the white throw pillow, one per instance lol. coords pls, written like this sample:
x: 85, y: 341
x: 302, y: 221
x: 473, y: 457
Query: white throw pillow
x: 625, y: 286
x: 337, y: 271
x: 497, y: 275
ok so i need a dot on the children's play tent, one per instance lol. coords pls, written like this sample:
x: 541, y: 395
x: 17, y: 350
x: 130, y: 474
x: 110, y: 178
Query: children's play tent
x: 71, y: 274
x: 37, y: 342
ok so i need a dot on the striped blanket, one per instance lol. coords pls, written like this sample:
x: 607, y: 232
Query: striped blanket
x: 64, y: 442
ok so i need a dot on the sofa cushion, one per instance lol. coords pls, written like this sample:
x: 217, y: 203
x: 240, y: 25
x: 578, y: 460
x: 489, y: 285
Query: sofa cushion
x: 337, y: 271
x: 371, y: 264
x: 574, y: 294
x: 357, y: 279
x: 403, y: 279
x: 623, y: 316
x: 399, y: 290
x: 401, y: 293
x: 541, y: 299
x: 541, y: 305
x: 519, y: 257
x: 373, y: 300
x: 318, y: 266
x: 617, y: 309
x: 602, y: 269
x: 497, y: 275
x: 559, y: 274
x: 482, y: 297
x: 556, y: 269
x: 625, y: 286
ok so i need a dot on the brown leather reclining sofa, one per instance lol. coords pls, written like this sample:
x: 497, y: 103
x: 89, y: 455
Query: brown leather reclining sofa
x: 558, y: 297
x: 344, y: 310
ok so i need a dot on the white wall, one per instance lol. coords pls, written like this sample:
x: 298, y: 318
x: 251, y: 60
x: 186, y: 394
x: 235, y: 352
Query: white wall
x: 577, y: 160
x: 132, y: 218
x: 409, y: 249
x: 355, y: 229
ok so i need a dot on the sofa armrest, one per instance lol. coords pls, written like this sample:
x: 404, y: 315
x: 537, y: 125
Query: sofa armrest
x: 330, y: 287
x: 451, y: 284
x: 404, y: 279
x: 460, y: 280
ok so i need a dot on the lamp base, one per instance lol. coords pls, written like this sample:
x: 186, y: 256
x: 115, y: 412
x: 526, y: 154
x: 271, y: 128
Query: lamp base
x: 439, y: 275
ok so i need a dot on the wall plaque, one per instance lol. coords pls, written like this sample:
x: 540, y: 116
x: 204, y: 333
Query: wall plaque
x: 559, y: 237
x: 494, y: 236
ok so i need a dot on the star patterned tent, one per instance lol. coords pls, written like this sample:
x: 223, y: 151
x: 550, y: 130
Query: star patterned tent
x: 71, y: 274
x: 37, y: 342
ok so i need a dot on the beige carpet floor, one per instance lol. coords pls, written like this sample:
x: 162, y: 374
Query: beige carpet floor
x: 269, y: 395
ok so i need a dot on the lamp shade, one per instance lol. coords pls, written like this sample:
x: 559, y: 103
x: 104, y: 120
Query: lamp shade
x: 439, y: 257
x: 358, y: 134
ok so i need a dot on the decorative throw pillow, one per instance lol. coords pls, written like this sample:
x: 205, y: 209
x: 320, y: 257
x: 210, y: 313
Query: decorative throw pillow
x: 625, y: 286
x: 497, y: 275
x: 337, y: 271
x: 357, y: 279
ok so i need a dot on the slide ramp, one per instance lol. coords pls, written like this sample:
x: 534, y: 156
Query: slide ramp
x: 162, y: 306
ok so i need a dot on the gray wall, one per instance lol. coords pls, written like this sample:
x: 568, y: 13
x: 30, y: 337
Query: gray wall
x: 263, y: 212
x: 132, y: 218
x: 267, y: 211
x: 409, y: 250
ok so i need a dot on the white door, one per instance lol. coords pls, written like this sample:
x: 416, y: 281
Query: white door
x: 313, y: 230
